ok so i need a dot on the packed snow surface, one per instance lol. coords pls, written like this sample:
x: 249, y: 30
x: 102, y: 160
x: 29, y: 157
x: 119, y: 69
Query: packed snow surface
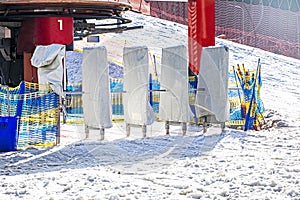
x: 232, y: 164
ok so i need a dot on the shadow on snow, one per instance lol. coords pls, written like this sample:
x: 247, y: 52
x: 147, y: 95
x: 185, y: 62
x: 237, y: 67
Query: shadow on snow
x: 123, y: 154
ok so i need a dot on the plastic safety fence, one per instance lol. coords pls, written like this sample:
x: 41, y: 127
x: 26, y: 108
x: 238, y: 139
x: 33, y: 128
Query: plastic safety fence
x: 271, y: 25
x: 37, y: 108
x: 246, y: 105
x: 239, y: 98
x: 73, y: 103
x: 73, y: 98
x: 117, y: 88
x: 39, y: 122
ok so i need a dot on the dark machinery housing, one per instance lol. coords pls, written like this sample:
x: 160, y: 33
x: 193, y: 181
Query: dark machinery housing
x: 26, y: 24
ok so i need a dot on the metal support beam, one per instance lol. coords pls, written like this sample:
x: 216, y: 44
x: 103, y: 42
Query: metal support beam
x: 201, y: 30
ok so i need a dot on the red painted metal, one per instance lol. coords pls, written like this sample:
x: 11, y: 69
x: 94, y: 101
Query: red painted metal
x: 30, y: 72
x: 42, y: 31
x: 50, y: 30
x: 201, y: 30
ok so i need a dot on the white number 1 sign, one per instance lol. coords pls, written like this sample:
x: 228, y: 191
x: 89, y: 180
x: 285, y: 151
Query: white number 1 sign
x: 60, y: 21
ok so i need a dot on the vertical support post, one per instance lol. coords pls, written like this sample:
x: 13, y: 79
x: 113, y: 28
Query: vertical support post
x: 58, y: 131
x: 144, y: 130
x: 102, y: 130
x: 8, y: 100
x: 204, y: 120
x: 223, y: 126
x: 150, y: 88
x: 167, y: 127
x: 127, y: 130
x: 201, y: 30
x: 58, y: 120
x: 184, y: 128
x: 87, y: 131
x: 21, y: 100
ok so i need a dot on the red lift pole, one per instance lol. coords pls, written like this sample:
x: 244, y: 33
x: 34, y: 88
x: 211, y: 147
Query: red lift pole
x: 42, y: 31
x: 201, y: 30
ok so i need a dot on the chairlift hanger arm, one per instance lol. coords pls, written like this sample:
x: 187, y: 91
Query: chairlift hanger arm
x: 83, y: 29
x: 12, y: 11
x: 18, y: 9
x: 82, y: 34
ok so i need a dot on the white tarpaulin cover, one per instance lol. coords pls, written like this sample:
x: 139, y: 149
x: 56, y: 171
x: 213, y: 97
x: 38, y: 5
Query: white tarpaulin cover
x: 174, y: 103
x: 95, y: 86
x: 137, y: 109
x: 212, y: 90
x: 49, y: 61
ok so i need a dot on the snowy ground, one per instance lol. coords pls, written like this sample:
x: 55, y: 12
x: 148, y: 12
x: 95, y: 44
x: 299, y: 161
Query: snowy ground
x: 231, y: 164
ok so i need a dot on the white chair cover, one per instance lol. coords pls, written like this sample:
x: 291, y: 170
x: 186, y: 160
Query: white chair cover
x: 174, y: 103
x: 137, y: 109
x: 49, y: 61
x: 212, y: 90
x: 96, y: 91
